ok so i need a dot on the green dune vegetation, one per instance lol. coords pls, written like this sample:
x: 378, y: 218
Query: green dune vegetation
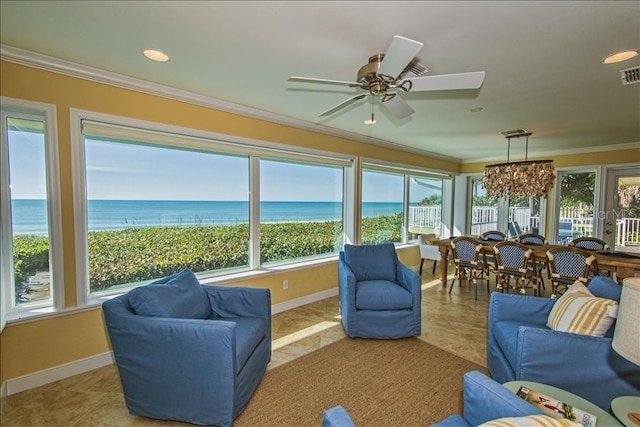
x: 132, y: 255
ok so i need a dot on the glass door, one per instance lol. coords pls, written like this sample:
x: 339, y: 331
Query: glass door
x: 622, y: 210
x: 575, y: 205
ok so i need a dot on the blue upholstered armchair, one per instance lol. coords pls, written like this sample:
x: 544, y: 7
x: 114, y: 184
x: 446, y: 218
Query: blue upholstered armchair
x: 189, y: 352
x: 521, y: 347
x: 379, y: 297
x: 484, y: 400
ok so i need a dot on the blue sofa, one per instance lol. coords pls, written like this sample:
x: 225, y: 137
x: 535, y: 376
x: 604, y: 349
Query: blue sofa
x: 189, y: 352
x: 379, y: 296
x: 521, y: 347
x: 484, y: 400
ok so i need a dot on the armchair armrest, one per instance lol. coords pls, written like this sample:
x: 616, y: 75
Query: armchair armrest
x: 580, y: 364
x: 486, y: 399
x: 347, y: 281
x: 409, y: 279
x: 336, y: 417
x: 534, y: 310
x: 239, y: 301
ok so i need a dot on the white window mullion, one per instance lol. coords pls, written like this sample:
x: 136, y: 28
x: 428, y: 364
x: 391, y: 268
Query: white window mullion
x: 254, y: 212
x: 78, y: 170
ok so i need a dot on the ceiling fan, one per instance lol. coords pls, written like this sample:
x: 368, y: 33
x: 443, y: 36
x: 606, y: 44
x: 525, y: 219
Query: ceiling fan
x: 397, y: 70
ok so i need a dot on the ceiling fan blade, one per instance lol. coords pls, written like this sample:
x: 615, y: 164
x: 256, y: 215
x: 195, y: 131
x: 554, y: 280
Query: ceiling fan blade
x: 344, y: 104
x: 398, y: 107
x: 324, y: 81
x: 471, y: 80
x: 400, y: 52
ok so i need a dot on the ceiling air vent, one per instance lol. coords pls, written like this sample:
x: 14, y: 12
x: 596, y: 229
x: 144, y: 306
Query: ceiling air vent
x: 630, y: 76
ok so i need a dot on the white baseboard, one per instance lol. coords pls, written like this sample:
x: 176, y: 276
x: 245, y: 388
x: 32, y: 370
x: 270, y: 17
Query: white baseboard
x: 46, y: 376
x: 308, y: 299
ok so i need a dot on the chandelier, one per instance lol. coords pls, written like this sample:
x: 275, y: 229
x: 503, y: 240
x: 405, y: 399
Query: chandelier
x: 528, y: 178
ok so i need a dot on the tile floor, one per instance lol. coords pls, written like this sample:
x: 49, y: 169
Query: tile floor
x: 456, y: 323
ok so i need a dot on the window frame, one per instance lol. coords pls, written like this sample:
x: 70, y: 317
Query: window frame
x: 202, y: 141
x: 407, y: 172
x: 502, y: 206
x: 46, y: 113
x: 597, y: 190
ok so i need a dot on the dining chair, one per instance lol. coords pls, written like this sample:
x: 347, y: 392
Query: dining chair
x: 492, y: 236
x: 469, y: 262
x: 532, y: 239
x: 538, y: 240
x: 515, y: 261
x: 568, y: 264
x: 591, y: 244
x: 428, y: 251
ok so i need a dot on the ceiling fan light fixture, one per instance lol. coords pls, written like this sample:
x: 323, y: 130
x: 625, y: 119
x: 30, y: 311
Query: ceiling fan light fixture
x: 620, y: 56
x: 156, y: 55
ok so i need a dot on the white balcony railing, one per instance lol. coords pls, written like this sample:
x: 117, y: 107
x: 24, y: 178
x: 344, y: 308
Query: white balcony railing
x: 485, y: 218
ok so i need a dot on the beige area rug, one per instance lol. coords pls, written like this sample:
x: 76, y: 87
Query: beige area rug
x: 404, y: 382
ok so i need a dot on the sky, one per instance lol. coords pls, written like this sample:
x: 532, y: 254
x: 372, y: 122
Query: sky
x: 139, y: 172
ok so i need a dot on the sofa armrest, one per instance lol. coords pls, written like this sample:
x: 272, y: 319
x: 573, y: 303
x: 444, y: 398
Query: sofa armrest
x: 336, y: 417
x: 581, y: 364
x: 533, y: 310
x: 486, y: 399
x: 239, y: 301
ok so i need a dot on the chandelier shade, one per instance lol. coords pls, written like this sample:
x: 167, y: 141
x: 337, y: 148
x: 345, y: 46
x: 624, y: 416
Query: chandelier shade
x: 528, y: 178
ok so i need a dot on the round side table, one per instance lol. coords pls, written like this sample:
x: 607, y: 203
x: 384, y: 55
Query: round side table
x: 603, y: 418
x: 627, y: 410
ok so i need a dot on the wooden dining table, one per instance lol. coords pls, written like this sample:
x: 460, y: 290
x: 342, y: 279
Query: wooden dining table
x: 623, y: 264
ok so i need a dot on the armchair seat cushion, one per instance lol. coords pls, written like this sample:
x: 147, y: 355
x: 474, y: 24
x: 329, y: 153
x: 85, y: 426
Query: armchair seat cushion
x: 249, y: 333
x: 505, y: 333
x: 382, y: 295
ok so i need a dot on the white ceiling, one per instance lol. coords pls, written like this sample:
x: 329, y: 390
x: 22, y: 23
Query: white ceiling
x: 543, y: 62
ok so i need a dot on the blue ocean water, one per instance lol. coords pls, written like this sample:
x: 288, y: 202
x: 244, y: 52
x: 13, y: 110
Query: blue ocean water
x: 29, y: 216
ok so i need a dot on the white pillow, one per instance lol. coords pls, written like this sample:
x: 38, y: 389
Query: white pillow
x: 579, y: 312
x: 531, y: 421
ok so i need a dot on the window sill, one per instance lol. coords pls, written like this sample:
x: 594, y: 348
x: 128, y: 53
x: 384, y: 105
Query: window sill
x: 95, y: 301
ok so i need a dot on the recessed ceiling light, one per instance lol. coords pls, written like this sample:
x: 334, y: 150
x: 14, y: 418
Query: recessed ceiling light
x: 156, y: 55
x: 620, y: 56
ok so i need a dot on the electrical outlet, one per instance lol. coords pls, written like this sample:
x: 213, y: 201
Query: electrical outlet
x: 285, y: 284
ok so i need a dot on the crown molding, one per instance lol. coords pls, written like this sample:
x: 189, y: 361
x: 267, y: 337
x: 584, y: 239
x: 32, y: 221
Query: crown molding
x: 585, y: 150
x: 72, y: 69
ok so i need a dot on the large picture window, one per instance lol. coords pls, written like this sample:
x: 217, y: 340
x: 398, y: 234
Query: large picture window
x: 30, y: 249
x: 382, y: 207
x: 399, y: 203
x: 301, y: 210
x: 155, y: 201
x: 154, y: 210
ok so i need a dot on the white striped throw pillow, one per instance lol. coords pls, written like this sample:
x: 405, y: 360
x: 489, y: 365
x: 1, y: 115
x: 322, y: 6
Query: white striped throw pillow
x: 531, y: 421
x: 579, y: 312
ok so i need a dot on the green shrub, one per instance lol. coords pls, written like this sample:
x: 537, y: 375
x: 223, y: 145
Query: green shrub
x: 138, y: 254
x: 31, y: 254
